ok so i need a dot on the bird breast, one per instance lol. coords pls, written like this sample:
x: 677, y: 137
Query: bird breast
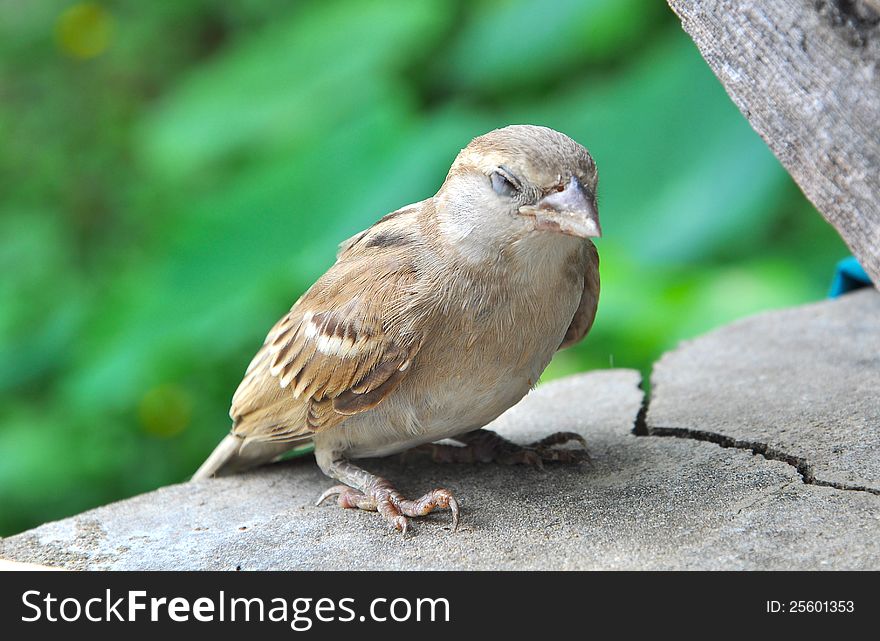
x: 484, y: 354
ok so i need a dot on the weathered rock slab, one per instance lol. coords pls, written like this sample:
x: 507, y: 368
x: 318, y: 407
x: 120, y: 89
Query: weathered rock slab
x: 645, y: 503
x: 804, y: 381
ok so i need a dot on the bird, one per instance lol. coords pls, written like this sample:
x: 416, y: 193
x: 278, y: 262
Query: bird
x: 430, y: 324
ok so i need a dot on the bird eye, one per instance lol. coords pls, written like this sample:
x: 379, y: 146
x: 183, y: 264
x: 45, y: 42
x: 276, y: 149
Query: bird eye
x: 503, y: 185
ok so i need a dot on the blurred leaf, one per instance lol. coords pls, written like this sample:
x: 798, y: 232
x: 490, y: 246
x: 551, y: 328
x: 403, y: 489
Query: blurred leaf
x: 288, y: 81
x: 514, y: 43
x: 34, y: 341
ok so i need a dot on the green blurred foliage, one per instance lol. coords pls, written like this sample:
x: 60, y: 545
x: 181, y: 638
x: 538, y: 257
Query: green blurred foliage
x: 174, y: 175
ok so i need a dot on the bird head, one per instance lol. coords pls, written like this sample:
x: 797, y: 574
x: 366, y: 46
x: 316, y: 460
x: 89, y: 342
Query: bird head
x: 518, y: 183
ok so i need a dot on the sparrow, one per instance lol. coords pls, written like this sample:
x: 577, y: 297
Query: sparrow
x: 429, y: 325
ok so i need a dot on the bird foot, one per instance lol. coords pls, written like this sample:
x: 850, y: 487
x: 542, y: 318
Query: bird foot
x: 485, y: 446
x: 383, y: 498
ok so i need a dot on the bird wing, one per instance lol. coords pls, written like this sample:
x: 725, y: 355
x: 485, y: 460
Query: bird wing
x: 341, y: 350
x: 586, y: 311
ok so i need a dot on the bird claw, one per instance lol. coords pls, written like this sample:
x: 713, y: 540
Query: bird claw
x: 565, y: 456
x: 399, y: 523
x: 544, y: 450
x: 485, y: 446
x: 391, y: 504
x: 559, y: 438
x: 456, y: 511
x: 333, y: 491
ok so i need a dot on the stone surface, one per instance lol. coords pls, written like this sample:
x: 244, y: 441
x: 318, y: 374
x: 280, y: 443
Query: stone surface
x: 15, y: 566
x: 804, y: 382
x: 646, y: 503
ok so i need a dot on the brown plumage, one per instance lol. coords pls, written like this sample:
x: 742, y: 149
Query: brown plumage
x: 431, y: 323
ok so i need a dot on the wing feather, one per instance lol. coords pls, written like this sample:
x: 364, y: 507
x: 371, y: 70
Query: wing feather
x: 586, y: 311
x: 337, y: 352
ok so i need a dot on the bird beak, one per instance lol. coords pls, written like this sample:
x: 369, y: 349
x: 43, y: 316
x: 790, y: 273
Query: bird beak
x: 570, y: 211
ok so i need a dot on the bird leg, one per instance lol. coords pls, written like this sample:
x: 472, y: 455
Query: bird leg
x: 485, y: 446
x: 366, y: 491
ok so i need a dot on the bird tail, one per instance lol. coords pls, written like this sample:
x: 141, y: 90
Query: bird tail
x: 234, y: 454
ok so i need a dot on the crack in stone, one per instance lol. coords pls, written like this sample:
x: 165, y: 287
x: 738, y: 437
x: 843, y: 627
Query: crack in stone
x: 803, y: 467
x: 640, y: 427
x: 800, y: 464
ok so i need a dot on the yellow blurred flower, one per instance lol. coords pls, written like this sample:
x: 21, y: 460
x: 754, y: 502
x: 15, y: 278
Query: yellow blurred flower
x: 165, y: 411
x: 84, y: 30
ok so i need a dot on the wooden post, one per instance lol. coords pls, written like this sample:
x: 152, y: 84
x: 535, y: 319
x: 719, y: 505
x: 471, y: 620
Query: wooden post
x: 806, y: 75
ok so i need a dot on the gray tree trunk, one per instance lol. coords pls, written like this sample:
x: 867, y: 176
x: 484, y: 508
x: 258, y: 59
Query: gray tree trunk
x: 806, y: 75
